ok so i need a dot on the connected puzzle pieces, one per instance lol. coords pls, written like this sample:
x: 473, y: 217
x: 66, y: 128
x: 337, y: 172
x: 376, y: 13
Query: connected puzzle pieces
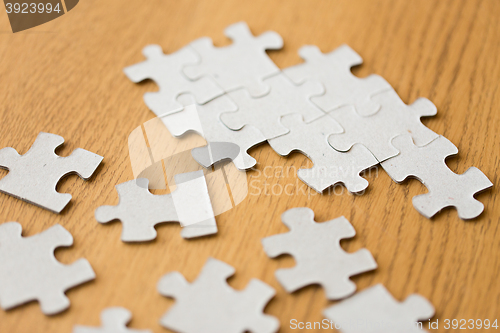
x: 29, y: 271
x: 320, y: 258
x: 113, y: 320
x: 33, y: 177
x: 210, y: 305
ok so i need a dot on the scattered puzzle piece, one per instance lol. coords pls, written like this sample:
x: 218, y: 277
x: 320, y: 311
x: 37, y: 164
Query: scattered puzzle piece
x: 113, y: 320
x: 446, y: 188
x: 265, y: 112
x: 210, y: 305
x: 320, y: 258
x: 166, y: 71
x: 374, y: 310
x: 139, y: 210
x: 330, y: 166
x: 342, y: 88
x: 243, y: 64
x: 33, y: 177
x: 29, y: 271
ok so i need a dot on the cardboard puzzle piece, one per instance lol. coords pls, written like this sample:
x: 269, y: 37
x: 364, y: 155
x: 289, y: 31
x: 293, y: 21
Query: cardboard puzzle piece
x: 342, y: 88
x: 33, y: 177
x: 446, y: 188
x: 243, y: 64
x: 210, y: 305
x: 319, y: 256
x: 113, y: 320
x: 139, y: 210
x: 30, y: 272
x: 374, y: 310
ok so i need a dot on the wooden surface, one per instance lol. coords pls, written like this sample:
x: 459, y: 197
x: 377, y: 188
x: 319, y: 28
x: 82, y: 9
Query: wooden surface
x: 65, y: 77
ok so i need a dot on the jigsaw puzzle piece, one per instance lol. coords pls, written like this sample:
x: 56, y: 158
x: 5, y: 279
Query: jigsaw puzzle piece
x: 264, y: 113
x: 376, y: 131
x: 319, y: 256
x: 139, y: 210
x: 374, y: 310
x: 446, y: 188
x: 205, y: 120
x: 31, y: 272
x: 330, y: 166
x: 33, y: 177
x: 114, y: 320
x: 243, y: 64
x: 342, y: 88
x: 210, y: 305
x: 166, y: 72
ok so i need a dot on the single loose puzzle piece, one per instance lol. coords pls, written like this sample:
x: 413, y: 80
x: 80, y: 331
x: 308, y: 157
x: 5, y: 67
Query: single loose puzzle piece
x: 166, y: 71
x: 113, y: 320
x: 139, y: 210
x: 376, y: 131
x: 446, y: 188
x: 33, y: 177
x: 243, y: 64
x: 210, y: 305
x: 342, y: 88
x: 205, y: 120
x: 374, y: 310
x: 320, y: 258
x: 29, y: 271
x: 265, y: 112
x: 330, y: 166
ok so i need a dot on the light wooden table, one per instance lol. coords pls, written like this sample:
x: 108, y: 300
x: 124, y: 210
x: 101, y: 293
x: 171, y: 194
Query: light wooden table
x: 65, y: 77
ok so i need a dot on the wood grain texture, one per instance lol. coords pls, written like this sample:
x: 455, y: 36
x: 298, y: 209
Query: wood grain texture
x: 65, y: 77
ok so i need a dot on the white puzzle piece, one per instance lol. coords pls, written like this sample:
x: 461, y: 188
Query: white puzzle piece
x: 139, y: 210
x: 166, y: 71
x: 265, y: 112
x: 205, y: 120
x: 342, y: 88
x: 113, y: 320
x: 243, y: 64
x: 446, y: 188
x: 30, y: 272
x: 319, y: 256
x: 376, y: 131
x: 33, y: 177
x: 210, y: 305
x: 330, y: 166
x: 374, y: 310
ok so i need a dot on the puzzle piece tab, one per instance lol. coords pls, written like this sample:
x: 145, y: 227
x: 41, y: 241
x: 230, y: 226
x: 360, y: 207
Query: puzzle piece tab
x: 374, y: 310
x: 446, y: 188
x: 320, y: 258
x: 33, y: 177
x: 330, y: 166
x: 342, y: 88
x: 243, y: 64
x: 210, y: 305
x: 30, y: 272
x: 166, y: 71
x: 114, y: 320
x: 139, y: 210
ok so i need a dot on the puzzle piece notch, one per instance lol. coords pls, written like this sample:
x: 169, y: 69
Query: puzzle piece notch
x: 113, y: 320
x: 377, y: 131
x: 264, y: 113
x: 330, y: 166
x: 243, y: 64
x: 210, y: 305
x: 319, y: 256
x: 166, y: 72
x: 31, y: 272
x: 374, y: 310
x: 139, y: 210
x: 446, y: 188
x: 33, y: 177
x: 342, y: 88
x: 205, y: 120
